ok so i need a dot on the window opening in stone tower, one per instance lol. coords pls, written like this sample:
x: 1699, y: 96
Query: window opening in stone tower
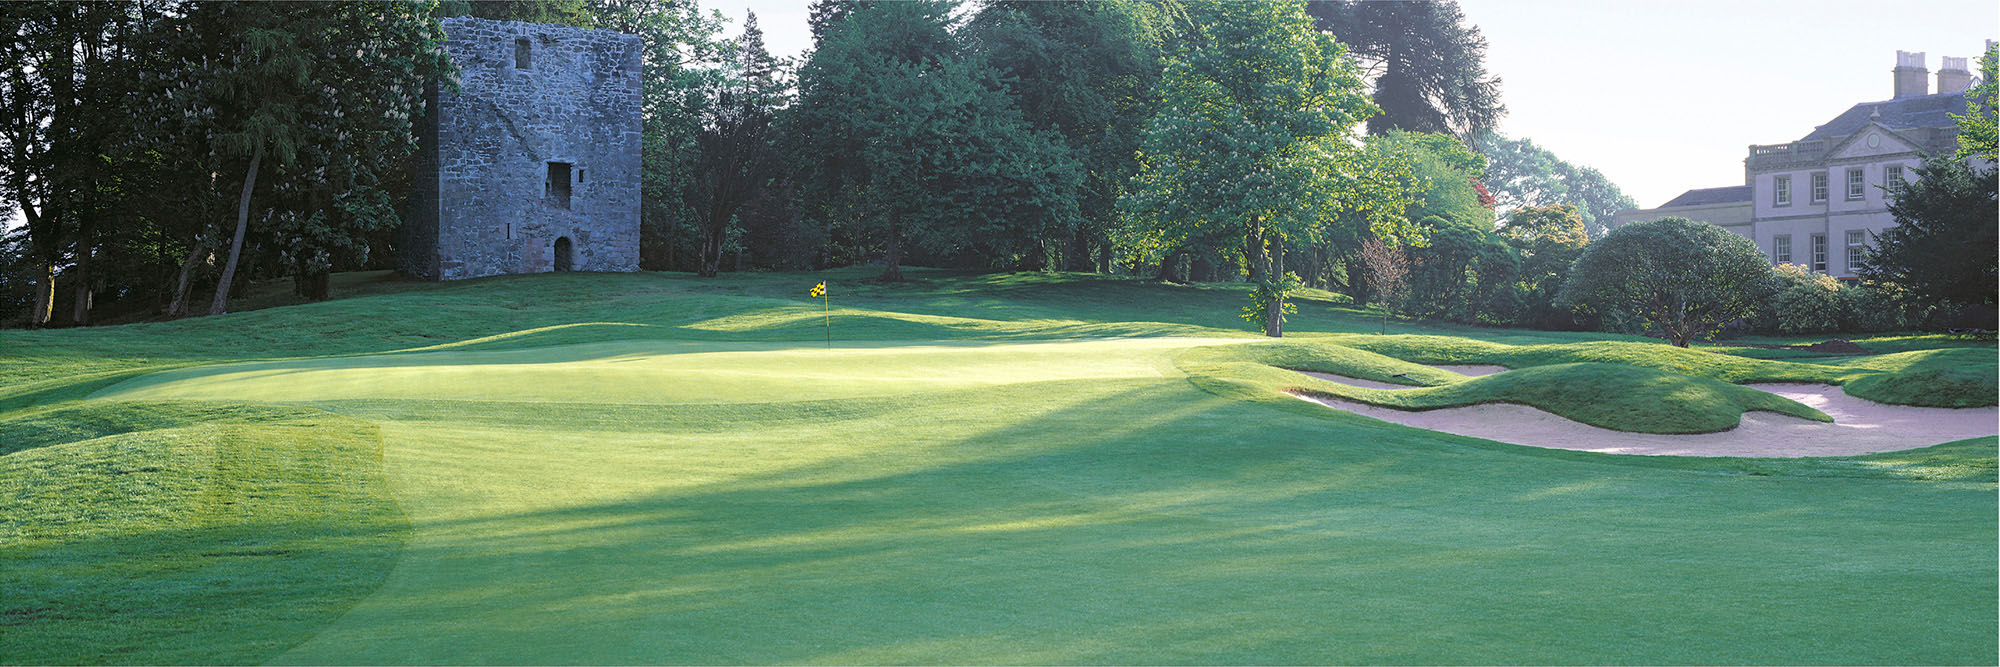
x: 521, y: 59
x: 556, y: 188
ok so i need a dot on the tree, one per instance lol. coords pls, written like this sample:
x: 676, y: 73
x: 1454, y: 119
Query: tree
x: 1977, y: 136
x: 1942, y: 248
x: 735, y: 156
x: 1388, y: 274
x: 1083, y: 70
x: 332, y: 146
x: 1251, y: 142
x: 1684, y: 277
x: 1522, y: 174
x: 825, y: 16
x: 683, y: 51
x: 561, y: 12
x: 59, y: 115
x: 921, y: 146
x: 1548, y: 240
x: 1427, y: 66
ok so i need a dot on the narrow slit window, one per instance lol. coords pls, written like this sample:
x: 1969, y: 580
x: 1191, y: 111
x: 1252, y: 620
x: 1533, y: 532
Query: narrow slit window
x: 556, y: 188
x: 579, y: 174
x: 521, y: 54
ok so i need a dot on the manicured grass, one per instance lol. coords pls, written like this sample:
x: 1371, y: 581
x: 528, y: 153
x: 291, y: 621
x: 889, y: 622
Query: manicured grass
x: 652, y: 469
x: 186, y: 533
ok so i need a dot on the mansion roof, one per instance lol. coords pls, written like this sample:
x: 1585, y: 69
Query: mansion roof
x: 1897, y: 114
x: 1705, y: 196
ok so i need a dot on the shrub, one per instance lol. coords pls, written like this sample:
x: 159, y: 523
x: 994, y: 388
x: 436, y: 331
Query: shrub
x: 1803, y: 301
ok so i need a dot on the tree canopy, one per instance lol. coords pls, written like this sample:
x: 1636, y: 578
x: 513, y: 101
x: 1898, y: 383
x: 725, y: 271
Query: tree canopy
x: 1251, y: 141
x: 1942, y: 248
x: 924, y: 146
x: 1427, y: 65
x: 1521, y: 173
x: 1977, y: 134
x: 1683, y: 277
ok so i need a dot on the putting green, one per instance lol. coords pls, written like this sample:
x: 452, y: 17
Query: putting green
x: 1078, y: 502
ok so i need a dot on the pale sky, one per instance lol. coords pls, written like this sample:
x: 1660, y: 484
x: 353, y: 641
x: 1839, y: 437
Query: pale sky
x: 1661, y: 96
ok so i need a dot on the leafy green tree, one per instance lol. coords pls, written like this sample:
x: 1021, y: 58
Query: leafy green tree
x: 332, y: 146
x: 825, y: 16
x: 1977, y: 136
x: 1548, y: 239
x: 560, y: 12
x: 1522, y: 174
x: 1942, y: 248
x: 1251, y: 136
x: 60, y: 120
x: 1427, y: 65
x: 1683, y: 277
x: 683, y: 51
x: 1083, y: 70
x: 923, y: 147
x: 735, y: 156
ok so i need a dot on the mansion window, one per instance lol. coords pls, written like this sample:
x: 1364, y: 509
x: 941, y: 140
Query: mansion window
x: 1819, y: 253
x: 1857, y: 249
x: 1781, y: 249
x: 1819, y: 187
x: 1856, y: 184
x: 1892, y: 177
x: 1781, y: 191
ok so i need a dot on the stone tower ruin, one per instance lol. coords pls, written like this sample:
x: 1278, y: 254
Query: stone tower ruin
x: 532, y: 165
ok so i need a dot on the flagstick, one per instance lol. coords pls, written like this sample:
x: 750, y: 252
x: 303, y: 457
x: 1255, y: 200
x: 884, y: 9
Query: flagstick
x: 828, y: 312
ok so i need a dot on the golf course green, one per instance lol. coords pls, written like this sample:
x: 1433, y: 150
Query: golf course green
x: 995, y: 469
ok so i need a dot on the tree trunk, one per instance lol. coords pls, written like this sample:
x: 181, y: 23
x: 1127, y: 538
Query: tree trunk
x: 1170, y: 266
x: 1104, y: 258
x: 1274, y: 310
x: 80, y: 314
x: 1077, y: 255
x: 45, y: 294
x: 179, y: 306
x: 1357, y: 281
x: 221, y: 303
x: 1255, y: 254
x: 892, y: 273
x: 710, y: 255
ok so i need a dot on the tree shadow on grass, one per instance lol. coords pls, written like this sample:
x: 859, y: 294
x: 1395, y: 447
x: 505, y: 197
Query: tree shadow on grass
x: 1152, y: 523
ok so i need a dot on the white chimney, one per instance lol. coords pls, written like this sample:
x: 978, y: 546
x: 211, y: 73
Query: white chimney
x: 1912, y: 79
x: 1953, y: 77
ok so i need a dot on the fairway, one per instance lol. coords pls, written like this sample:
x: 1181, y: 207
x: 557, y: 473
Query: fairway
x: 1024, y: 498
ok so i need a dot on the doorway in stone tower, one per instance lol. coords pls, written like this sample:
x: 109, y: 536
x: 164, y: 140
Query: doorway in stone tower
x: 564, y: 261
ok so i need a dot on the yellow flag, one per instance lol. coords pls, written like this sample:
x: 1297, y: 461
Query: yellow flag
x: 819, y: 290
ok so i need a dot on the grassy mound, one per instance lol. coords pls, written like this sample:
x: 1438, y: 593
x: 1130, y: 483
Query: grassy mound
x: 186, y: 533
x: 1943, y: 378
x: 1608, y: 395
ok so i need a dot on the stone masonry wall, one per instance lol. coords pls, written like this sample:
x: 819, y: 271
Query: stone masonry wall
x: 577, y: 102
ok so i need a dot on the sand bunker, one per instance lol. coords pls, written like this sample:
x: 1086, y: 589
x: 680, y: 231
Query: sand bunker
x: 1859, y: 426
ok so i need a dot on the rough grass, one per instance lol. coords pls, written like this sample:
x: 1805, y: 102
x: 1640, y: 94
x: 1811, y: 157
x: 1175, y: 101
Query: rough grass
x: 179, y: 533
x: 698, y: 478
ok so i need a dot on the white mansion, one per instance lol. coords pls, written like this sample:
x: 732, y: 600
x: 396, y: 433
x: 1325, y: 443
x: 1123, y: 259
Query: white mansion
x: 1817, y: 201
